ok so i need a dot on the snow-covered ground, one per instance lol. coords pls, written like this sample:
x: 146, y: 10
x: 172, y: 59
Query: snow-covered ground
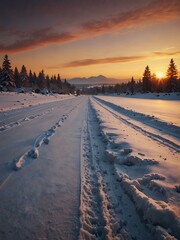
x: 14, y: 100
x: 145, y: 156
x: 87, y: 168
x: 16, y: 108
x: 39, y: 157
x: 162, y: 106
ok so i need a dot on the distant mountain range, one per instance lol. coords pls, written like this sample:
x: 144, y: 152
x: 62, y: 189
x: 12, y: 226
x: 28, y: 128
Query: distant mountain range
x: 95, y: 80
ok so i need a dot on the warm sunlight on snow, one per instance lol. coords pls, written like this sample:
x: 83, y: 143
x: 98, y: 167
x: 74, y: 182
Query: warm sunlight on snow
x: 160, y: 75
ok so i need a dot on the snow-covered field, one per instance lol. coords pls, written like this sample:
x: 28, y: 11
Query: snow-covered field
x: 89, y: 168
x: 163, y: 105
x: 14, y: 100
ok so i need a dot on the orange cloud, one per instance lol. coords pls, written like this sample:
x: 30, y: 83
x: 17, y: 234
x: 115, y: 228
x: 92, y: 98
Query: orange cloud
x: 156, y: 11
x: 87, y: 62
x: 164, y: 54
x: 121, y: 59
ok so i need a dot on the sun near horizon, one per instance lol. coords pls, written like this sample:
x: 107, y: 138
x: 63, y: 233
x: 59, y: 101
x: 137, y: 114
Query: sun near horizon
x: 160, y: 75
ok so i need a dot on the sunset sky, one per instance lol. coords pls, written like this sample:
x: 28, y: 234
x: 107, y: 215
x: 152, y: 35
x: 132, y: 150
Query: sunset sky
x: 82, y: 38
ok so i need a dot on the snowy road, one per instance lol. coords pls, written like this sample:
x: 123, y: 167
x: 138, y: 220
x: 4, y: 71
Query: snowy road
x: 84, y: 169
x: 41, y: 200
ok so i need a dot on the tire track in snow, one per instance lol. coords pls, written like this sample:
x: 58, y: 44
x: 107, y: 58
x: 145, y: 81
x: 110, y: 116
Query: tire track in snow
x: 122, y: 220
x: 113, y: 228
x: 27, y: 157
x: 37, y: 112
x: 104, y: 209
x: 91, y: 218
x: 7, y: 115
x: 164, y: 141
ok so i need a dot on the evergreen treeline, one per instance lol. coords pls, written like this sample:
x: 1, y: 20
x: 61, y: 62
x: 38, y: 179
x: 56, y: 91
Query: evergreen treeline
x: 148, y: 83
x: 9, y: 80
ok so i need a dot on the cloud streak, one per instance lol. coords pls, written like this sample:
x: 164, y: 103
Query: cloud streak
x: 88, y: 62
x: 36, y: 39
x: 165, y: 54
x: 111, y: 60
x: 156, y: 11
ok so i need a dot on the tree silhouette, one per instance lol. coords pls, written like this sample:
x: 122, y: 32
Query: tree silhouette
x: 24, y: 77
x: 59, y: 82
x: 41, y: 80
x: 31, y: 79
x: 17, y: 78
x: 146, y: 81
x: 7, y: 78
x: 172, y: 76
x: 132, y: 85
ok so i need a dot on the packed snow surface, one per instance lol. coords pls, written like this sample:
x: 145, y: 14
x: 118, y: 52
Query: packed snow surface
x: 89, y: 168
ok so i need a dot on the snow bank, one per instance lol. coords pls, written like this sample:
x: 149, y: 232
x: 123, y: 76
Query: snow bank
x: 137, y: 162
x: 154, y: 212
x: 118, y: 157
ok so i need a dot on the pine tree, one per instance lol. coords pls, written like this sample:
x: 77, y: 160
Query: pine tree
x: 154, y: 83
x: 17, y: 78
x: 172, y: 76
x: 31, y: 79
x: 7, y: 78
x: 146, y: 81
x: 132, y: 86
x: 103, y: 89
x: 0, y: 76
x: 41, y: 80
x: 48, y: 83
x: 35, y: 80
x: 24, y: 77
x: 59, y: 82
x: 54, y: 79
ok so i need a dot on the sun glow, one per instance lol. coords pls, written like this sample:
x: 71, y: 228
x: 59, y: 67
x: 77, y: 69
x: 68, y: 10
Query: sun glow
x: 160, y: 74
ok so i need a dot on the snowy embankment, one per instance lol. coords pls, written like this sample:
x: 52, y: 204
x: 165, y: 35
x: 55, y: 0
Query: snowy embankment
x: 145, y: 162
